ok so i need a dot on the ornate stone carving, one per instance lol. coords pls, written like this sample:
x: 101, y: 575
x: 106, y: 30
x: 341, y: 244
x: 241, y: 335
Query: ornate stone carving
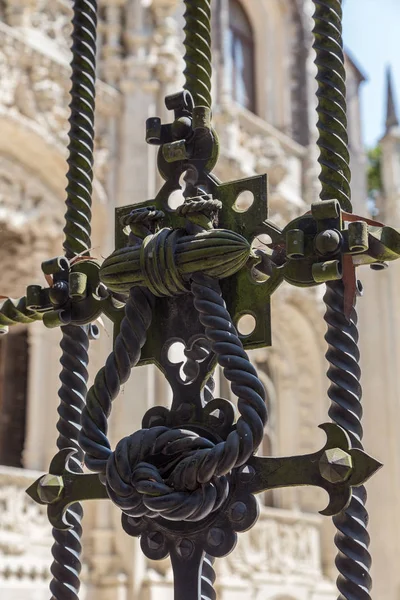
x: 283, y: 543
x: 31, y: 219
x: 25, y: 534
x: 26, y: 202
x: 34, y: 86
x: 50, y: 19
x: 166, y: 46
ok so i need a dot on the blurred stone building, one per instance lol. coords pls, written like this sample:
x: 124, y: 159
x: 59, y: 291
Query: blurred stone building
x: 264, y: 112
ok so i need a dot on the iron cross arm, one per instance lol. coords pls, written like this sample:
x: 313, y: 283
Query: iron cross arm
x: 336, y: 468
x: 61, y: 487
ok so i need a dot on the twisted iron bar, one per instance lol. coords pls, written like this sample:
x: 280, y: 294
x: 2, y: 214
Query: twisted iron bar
x: 208, y: 579
x: 352, y: 540
x: 128, y: 344
x: 197, y: 57
x: 236, y: 366
x: 13, y: 312
x: 332, y: 120
x: 67, y: 547
x: 77, y: 228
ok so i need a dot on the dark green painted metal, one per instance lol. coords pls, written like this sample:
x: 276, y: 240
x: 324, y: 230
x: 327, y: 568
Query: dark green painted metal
x: 218, y: 252
x: 197, y: 44
x: 332, y: 120
x: 270, y: 473
x: 265, y: 473
x: 14, y: 312
x: 325, y: 235
x: 242, y: 293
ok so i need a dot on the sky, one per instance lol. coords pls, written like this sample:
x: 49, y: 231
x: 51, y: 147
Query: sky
x: 371, y: 34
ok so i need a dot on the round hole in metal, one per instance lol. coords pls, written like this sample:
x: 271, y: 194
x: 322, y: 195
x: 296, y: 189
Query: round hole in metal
x: 244, y: 201
x: 246, y: 324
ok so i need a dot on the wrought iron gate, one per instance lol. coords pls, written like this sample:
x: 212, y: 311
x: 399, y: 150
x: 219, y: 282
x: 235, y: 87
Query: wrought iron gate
x: 186, y: 482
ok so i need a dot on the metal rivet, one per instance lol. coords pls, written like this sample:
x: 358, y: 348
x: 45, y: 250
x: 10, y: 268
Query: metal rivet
x: 246, y: 474
x: 238, y: 511
x: 215, y: 536
x: 185, y: 548
x: 154, y: 540
x: 335, y: 465
x: 50, y: 488
x: 327, y: 241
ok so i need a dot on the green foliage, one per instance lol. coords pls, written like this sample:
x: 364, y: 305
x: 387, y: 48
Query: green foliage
x: 374, y: 174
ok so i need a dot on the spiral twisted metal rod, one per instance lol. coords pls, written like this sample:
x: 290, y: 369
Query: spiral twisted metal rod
x: 236, y: 366
x: 332, y: 120
x: 352, y: 540
x: 77, y: 228
x: 13, y: 312
x: 67, y: 548
x: 208, y: 579
x: 197, y: 57
x: 128, y: 344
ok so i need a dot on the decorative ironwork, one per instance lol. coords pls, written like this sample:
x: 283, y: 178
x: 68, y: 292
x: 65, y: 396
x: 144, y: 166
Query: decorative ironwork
x: 186, y: 482
x: 352, y: 540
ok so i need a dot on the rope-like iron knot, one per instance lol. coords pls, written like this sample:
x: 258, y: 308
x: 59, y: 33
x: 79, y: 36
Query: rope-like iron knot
x: 204, y: 204
x: 145, y: 215
x: 171, y: 472
x: 175, y: 473
x: 166, y: 472
x: 142, y: 222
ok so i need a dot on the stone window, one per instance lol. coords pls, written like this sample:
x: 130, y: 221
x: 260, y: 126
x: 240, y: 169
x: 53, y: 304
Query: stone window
x: 241, y: 48
x: 13, y: 396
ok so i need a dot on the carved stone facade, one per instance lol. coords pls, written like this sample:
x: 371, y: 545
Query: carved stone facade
x: 25, y: 538
x: 289, y: 555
